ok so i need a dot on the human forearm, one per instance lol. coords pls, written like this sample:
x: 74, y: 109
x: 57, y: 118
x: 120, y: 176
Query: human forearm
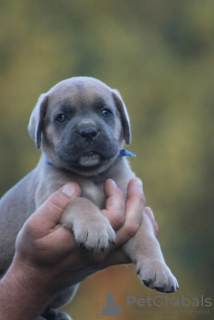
x: 19, y: 298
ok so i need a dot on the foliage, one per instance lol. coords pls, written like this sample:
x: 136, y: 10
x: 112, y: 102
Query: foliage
x: 159, y: 54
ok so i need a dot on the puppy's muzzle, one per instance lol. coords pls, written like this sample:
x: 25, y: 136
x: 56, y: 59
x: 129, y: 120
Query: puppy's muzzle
x: 89, y: 133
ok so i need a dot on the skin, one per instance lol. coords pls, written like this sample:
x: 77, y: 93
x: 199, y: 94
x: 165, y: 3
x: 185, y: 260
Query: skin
x: 47, y: 258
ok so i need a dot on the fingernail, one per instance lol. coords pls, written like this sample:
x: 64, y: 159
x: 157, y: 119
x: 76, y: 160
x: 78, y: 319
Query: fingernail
x: 113, y: 182
x: 139, y: 183
x: 69, y: 189
x: 149, y: 211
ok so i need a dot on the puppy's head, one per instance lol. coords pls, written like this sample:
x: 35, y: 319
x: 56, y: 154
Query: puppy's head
x: 81, y: 125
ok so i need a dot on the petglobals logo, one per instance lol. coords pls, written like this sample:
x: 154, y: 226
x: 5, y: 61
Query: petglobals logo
x: 107, y: 305
x: 166, y: 301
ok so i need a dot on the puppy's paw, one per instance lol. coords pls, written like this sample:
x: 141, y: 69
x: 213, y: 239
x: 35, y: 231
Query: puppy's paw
x: 54, y: 314
x: 94, y: 234
x: 156, y: 275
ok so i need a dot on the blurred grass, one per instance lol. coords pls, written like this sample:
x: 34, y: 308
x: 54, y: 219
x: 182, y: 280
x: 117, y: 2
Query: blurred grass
x: 160, y: 57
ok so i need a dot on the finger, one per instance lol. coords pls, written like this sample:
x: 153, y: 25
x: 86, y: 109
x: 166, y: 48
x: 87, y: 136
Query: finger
x: 115, y: 204
x: 114, y: 256
x: 151, y: 217
x: 134, y: 209
x: 133, y: 212
x: 48, y: 215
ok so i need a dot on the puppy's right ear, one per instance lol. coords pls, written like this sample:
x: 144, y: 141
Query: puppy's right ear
x: 37, y: 116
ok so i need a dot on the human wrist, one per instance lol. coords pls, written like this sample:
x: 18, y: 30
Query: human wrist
x: 19, y: 296
x: 29, y: 281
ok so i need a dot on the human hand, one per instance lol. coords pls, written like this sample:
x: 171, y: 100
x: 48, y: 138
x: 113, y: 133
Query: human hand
x: 48, y: 253
x: 125, y: 217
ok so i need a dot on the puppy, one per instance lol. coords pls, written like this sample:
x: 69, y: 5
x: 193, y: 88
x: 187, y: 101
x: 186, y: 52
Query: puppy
x: 81, y: 125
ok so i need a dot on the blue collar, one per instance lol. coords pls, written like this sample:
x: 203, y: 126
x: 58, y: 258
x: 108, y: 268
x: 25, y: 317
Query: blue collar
x: 47, y: 160
x: 123, y: 153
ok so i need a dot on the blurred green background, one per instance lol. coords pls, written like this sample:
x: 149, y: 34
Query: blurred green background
x: 160, y: 55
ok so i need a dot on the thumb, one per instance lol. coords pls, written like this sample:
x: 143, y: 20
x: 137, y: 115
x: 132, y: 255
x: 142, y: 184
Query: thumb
x: 48, y: 215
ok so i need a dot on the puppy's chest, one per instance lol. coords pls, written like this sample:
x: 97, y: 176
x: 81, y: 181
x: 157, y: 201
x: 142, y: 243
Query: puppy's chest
x: 94, y: 192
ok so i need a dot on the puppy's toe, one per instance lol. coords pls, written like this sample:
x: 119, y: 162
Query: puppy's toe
x: 81, y: 235
x: 156, y: 275
x: 100, y: 235
x: 95, y: 235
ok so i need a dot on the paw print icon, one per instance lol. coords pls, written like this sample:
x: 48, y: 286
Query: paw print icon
x: 175, y: 301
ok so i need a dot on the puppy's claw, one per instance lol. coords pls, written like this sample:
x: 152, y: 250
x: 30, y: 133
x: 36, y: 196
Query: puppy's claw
x: 156, y: 275
x: 147, y: 282
x: 173, y: 289
x: 95, y: 236
x: 161, y: 289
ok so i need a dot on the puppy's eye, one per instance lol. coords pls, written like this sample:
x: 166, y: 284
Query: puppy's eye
x: 106, y: 113
x: 60, y: 118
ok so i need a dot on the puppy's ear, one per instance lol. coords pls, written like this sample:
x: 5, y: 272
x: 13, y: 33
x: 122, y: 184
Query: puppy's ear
x: 37, y: 116
x: 124, y: 115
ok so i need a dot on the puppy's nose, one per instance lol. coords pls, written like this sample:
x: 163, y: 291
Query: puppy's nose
x: 88, y: 133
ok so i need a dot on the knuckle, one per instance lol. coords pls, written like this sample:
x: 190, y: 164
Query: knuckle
x: 28, y: 227
x: 140, y: 198
x: 119, y: 220
x: 131, y: 229
x: 119, y: 194
x: 57, y: 202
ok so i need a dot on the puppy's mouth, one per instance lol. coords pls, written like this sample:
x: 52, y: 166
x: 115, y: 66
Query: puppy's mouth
x: 90, y: 159
x: 93, y: 158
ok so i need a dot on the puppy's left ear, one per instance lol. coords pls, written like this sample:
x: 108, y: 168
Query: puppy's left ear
x: 37, y: 116
x: 124, y: 115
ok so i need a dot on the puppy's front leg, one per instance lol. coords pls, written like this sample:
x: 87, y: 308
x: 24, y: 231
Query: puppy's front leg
x: 144, y: 250
x: 88, y: 224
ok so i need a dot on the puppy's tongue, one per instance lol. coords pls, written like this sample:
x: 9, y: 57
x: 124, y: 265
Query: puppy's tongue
x: 89, y: 159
